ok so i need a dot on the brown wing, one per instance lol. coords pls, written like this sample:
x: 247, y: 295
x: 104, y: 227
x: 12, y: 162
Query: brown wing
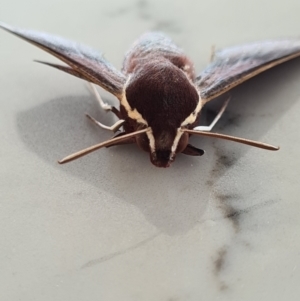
x: 85, y: 63
x: 233, y: 66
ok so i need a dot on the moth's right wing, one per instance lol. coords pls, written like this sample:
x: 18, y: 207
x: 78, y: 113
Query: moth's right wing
x: 83, y: 61
x: 233, y: 66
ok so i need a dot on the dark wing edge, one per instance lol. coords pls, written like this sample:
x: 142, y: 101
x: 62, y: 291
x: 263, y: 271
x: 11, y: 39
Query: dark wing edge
x: 233, y: 66
x: 85, y: 62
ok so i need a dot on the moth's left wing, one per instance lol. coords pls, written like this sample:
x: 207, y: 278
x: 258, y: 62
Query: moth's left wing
x: 83, y: 61
x: 233, y: 66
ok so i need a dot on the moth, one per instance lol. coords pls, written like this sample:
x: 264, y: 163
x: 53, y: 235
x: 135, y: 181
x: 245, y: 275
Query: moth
x: 160, y: 95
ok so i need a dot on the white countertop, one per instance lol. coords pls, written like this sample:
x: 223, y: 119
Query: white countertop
x: 111, y: 226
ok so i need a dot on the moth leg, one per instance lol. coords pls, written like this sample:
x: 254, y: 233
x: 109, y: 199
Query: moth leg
x: 102, y: 104
x: 193, y: 151
x: 115, y: 127
x: 210, y: 127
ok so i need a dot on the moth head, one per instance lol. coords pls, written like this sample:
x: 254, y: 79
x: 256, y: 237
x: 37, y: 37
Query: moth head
x: 160, y: 147
x: 161, y: 97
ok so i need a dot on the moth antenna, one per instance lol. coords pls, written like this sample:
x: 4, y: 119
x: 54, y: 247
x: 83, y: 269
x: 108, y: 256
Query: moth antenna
x: 100, y: 145
x: 233, y: 138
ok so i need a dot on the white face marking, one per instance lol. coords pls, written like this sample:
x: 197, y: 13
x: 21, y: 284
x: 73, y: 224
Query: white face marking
x: 151, y: 140
x: 176, y: 140
x: 133, y: 114
x: 192, y: 117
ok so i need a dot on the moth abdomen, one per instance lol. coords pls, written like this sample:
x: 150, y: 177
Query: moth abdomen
x: 156, y: 46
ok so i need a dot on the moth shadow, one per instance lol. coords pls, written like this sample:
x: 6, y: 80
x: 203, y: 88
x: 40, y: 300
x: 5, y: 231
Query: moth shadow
x: 173, y: 199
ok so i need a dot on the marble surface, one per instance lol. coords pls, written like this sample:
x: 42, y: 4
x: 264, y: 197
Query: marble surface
x: 113, y: 227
